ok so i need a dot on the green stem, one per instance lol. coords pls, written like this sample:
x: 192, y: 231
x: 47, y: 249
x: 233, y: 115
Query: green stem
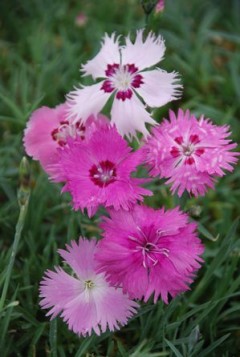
x: 18, y: 232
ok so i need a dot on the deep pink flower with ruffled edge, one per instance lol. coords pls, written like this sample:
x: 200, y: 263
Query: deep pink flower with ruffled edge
x: 123, y: 74
x: 189, y: 152
x: 149, y: 251
x: 48, y: 130
x: 98, y: 172
x: 84, y: 299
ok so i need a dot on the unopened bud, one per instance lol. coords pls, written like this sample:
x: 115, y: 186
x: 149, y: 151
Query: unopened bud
x: 195, y: 211
x: 148, y: 5
x: 24, y: 182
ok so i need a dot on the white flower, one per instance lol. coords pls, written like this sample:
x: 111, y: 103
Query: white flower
x: 121, y: 71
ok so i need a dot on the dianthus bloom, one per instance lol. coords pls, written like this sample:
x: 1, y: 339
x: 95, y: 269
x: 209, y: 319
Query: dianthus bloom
x: 84, y: 299
x: 98, y: 172
x: 149, y: 251
x: 48, y: 130
x: 121, y: 69
x: 189, y: 152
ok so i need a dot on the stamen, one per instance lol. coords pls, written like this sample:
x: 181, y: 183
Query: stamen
x: 66, y: 130
x: 89, y: 284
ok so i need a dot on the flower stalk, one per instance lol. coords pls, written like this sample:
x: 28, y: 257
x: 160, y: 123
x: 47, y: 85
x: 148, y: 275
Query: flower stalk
x: 23, y: 199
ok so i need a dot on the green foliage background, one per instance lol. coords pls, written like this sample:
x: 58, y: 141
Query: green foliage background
x: 41, y: 49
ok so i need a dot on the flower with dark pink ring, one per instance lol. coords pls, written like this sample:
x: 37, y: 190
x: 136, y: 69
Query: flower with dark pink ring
x: 98, y: 172
x: 189, y: 152
x: 83, y: 298
x: 48, y: 129
x: 123, y: 76
x: 149, y: 252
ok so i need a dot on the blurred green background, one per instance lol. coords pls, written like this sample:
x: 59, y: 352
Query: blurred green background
x: 41, y: 48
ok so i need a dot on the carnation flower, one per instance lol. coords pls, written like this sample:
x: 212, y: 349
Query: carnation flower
x: 149, y: 251
x: 48, y: 129
x: 98, y: 172
x: 121, y: 70
x: 84, y: 299
x: 189, y: 152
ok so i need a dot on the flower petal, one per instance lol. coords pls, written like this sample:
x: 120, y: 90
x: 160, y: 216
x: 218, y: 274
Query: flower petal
x: 159, y: 87
x: 85, y: 101
x: 143, y: 54
x: 80, y: 260
x: 130, y: 116
x: 109, y: 54
x: 58, y: 288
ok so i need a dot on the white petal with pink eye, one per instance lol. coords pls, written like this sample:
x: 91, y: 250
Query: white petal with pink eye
x: 130, y: 116
x: 109, y: 54
x: 143, y: 54
x: 159, y: 87
x: 85, y: 101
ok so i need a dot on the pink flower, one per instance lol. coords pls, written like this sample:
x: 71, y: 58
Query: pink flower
x: 48, y: 130
x: 160, y: 6
x: 121, y: 69
x: 189, y: 152
x: 84, y: 299
x: 149, y: 251
x: 98, y: 172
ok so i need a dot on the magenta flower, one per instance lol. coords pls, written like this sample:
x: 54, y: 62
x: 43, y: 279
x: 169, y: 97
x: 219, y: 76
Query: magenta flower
x: 121, y: 70
x: 48, y: 130
x: 189, y: 152
x: 149, y: 251
x: 98, y: 172
x: 84, y: 299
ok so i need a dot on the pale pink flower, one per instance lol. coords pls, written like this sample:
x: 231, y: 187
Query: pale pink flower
x: 121, y: 71
x: 83, y: 298
x: 160, y: 6
x: 98, y: 172
x: 189, y: 152
x: 149, y: 251
x: 48, y: 129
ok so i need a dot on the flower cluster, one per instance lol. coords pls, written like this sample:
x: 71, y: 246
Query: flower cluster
x: 143, y: 252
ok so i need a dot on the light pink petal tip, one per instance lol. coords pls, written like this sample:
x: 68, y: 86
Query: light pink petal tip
x: 85, y: 101
x: 108, y: 54
x: 144, y: 53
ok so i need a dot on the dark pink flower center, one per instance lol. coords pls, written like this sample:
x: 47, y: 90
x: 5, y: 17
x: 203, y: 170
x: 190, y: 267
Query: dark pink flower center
x: 187, y: 151
x: 103, y: 174
x: 147, y: 245
x: 122, y: 79
x: 66, y: 130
